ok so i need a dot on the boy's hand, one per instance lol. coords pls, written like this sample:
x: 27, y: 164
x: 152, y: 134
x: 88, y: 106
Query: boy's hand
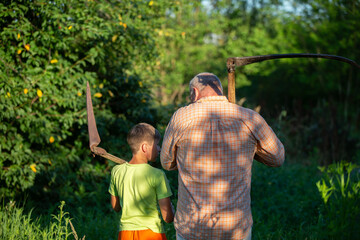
x: 115, y: 203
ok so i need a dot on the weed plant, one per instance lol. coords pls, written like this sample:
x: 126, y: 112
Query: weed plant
x: 340, y: 191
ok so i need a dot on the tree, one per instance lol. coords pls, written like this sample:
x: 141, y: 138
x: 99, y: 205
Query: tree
x: 331, y: 97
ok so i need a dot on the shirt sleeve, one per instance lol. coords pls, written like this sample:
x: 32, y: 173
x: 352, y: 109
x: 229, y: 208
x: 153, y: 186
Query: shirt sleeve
x: 112, y: 188
x: 163, y: 188
x: 168, y: 148
x: 270, y: 150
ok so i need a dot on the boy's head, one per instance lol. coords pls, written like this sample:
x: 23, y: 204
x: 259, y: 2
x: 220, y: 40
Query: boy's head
x: 141, y: 133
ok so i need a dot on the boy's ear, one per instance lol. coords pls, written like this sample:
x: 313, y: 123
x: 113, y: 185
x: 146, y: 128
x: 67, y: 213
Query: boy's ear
x: 143, y: 147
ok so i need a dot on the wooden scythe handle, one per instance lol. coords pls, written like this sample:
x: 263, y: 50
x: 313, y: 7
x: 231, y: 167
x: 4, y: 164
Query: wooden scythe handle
x: 102, y: 153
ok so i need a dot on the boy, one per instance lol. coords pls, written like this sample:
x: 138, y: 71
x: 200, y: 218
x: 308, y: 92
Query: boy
x: 135, y: 187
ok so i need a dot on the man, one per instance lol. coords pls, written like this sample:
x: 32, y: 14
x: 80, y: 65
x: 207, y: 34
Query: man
x: 212, y: 143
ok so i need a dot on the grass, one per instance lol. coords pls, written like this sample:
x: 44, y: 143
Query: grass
x: 287, y: 203
x: 15, y: 225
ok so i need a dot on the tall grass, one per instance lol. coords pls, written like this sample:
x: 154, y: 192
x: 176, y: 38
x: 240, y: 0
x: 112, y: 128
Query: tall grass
x: 15, y: 225
x: 295, y: 201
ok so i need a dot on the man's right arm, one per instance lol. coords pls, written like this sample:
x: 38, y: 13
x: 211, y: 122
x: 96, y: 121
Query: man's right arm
x: 270, y: 151
x: 168, y: 148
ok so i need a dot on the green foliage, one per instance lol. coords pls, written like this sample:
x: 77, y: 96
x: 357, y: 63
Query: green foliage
x: 182, y: 51
x: 198, y: 38
x: 340, y: 192
x: 49, y: 50
x: 322, y: 93
x: 138, y: 57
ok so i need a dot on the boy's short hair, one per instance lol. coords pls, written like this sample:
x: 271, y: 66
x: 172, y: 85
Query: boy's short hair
x: 142, y: 132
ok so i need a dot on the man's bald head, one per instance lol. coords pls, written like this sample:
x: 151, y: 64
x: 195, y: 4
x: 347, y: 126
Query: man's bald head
x: 205, y: 85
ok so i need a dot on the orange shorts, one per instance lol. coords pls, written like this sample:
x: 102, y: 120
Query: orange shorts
x: 141, y: 235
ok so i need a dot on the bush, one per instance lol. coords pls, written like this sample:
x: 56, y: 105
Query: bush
x: 49, y: 50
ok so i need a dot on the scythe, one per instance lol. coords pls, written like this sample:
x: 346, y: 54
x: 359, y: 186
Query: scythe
x: 94, y: 138
x: 232, y: 63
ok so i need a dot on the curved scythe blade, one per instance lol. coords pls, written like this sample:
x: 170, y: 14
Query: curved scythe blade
x: 94, y: 138
x: 241, y: 61
x: 233, y: 62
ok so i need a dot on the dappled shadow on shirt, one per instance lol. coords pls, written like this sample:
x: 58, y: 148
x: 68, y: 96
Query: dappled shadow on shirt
x: 215, y: 144
x: 139, y: 187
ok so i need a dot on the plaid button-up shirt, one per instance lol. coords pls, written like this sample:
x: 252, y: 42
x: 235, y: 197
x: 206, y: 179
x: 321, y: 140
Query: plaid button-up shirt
x: 213, y: 143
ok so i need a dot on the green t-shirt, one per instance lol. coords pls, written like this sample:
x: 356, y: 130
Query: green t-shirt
x: 139, y: 187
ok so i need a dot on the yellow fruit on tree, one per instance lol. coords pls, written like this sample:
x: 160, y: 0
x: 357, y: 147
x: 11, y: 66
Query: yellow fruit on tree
x: 33, y: 167
x: 98, y: 95
x: 39, y: 93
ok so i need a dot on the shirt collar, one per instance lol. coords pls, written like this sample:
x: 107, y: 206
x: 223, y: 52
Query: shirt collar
x: 213, y: 99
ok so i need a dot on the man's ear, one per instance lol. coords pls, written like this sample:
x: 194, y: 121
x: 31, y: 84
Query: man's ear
x: 197, y: 94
